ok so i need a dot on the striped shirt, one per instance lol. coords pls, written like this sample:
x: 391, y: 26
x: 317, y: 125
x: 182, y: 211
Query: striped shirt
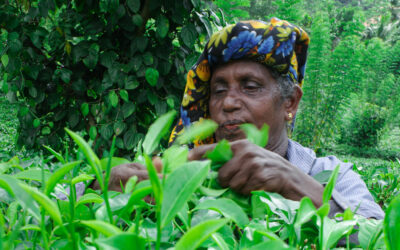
x: 350, y: 190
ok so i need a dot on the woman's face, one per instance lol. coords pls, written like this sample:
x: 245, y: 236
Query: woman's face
x: 246, y: 92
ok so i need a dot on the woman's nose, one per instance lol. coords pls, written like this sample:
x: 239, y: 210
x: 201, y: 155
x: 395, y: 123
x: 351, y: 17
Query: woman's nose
x: 232, y: 102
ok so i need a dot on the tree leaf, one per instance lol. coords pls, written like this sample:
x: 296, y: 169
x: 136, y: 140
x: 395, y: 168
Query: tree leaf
x: 58, y: 175
x: 85, y: 109
x: 258, y: 137
x: 119, y: 127
x: 199, y: 233
x: 134, y: 5
x: 162, y: 24
x: 392, y: 224
x: 157, y: 131
x: 189, y: 35
x: 179, y: 186
x: 124, y: 95
x: 129, y: 139
x: 4, y: 60
x: 93, y: 132
x: 227, y: 208
x: 152, y: 76
x: 128, y: 109
x: 113, y: 97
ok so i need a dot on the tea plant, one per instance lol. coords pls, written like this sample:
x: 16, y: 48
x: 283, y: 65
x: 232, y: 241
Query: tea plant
x: 182, y: 207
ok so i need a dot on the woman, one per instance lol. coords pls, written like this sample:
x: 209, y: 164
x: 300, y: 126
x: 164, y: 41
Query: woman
x: 252, y: 72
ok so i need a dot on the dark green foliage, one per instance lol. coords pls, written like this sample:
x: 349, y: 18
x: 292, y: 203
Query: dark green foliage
x: 104, y: 67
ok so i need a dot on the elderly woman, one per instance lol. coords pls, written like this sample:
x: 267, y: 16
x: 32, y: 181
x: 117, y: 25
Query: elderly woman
x: 252, y: 72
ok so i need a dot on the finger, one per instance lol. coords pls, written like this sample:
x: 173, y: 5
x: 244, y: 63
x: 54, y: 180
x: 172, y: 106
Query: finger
x: 228, y: 170
x: 239, y: 180
x: 198, y: 152
x: 157, y: 162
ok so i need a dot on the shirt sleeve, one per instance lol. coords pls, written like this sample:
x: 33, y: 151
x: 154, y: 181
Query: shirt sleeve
x: 350, y: 190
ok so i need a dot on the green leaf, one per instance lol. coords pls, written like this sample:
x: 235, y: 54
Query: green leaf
x: 221, y: 154
x: 122, y: 241
x: 124, y: 95
x: 36, y: 123
x: 129, y: 139
x: 179, y: 186
x: 148, y: 58
x: 199, y: 233
x: 101, y: 227
x: 4, y: 60
x: 33, y: 174
x: 119, y: 127
x: 131, y: 84
x: 137, y: 20
x: 212, y: 192
x: 134, y: 5
x: 89, y: 198
x: 370, y: 234
x: 197, y: 131
x: 162, y: 24
x: 48, y: 205
x: 12, y: 186
x: 128, y: 109
x: 227, y: 208
x: 305, y: 212
x: 113, y: 97
x: 157, y: 131
x: 85, y: 109
x: 106, y: 131
x: 330, y: 186
x: 258, y: 137
x: 91, y: 60
x: 392, y: 224
x: 152, y: 76
x: 81, y: 178
x: 46, y: 131
x: 91, y: 157
x: 130, y: 184
x: 93, y: 132
x: 174, y: 157
x: 56, y: 154
x: 58, y: 175
x: 189, y: 35
x: 323, y: 177
x: 65, y: 75
x: 115, y: 161
x: 333, y: 231
x: 33, y: 92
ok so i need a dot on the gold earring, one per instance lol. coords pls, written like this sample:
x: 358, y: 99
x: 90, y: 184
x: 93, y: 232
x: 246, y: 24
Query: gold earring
x: 290, y: 116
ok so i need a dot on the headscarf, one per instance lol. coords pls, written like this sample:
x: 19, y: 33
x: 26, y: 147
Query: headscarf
x: 277, y: 44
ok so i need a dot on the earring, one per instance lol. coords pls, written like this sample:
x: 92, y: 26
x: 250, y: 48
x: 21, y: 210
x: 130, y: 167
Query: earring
x: 290, y: 116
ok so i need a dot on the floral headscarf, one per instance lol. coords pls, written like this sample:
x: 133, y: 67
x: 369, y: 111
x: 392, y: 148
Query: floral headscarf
x: 279, y: 45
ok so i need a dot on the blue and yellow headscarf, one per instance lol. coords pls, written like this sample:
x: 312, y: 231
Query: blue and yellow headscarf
x: 279, y: 45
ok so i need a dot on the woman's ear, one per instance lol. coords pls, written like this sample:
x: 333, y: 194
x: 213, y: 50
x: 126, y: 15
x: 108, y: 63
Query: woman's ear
x: 292, y: 103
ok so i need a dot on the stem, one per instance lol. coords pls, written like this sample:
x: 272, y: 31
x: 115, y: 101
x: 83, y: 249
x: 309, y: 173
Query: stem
x: 348, y: 241
x: 106, y: 180
x: 43, y: 230
x: 72, y: 199
x: 158, y: 216
x: 137, y: 219
x: 321, y: 229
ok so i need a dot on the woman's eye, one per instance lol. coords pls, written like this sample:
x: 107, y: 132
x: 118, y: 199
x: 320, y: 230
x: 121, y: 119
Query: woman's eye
x: 251, y: 87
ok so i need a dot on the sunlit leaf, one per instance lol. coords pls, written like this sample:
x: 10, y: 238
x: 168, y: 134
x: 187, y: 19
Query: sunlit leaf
x: 197, y: 131
x: 58, y: 175
x: 254, y: 135
x: 102, y: 227
x: 392, y: 224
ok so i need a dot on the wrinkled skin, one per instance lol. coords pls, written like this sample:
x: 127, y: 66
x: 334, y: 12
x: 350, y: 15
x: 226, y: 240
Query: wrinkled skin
x: 245, y: 92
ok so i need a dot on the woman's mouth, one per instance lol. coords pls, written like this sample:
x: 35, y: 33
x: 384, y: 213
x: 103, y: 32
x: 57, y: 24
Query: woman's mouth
x: 231, y: 125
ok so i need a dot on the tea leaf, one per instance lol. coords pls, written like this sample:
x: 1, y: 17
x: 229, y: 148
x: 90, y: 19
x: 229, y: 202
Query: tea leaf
x: 330, y: 186
x: 179, y: 186
x: 115, y: 161
x: 102, y: 227
x: 392, y: 224
x: 33, y: 174
x: 81, y: 178
x: 157, y: 131
x: 227, y: 208
x: 258, y: 137
x: 197, y: 131
x: 58, y: 175
x: 305, y: 212
x: 199, y: 233
x: 55, y: 153
x: 220, y: 154
x: 174, y: 157
x: 333, y: 231
x: 89, y: 198
x: 122, y: 241
x: 49, y: 206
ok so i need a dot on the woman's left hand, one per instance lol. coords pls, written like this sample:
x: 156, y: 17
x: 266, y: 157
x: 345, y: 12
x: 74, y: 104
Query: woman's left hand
x: 255, y: 168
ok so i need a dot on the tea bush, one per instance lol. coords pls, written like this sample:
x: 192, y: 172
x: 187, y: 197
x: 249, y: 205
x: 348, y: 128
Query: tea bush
x: 184, y: 209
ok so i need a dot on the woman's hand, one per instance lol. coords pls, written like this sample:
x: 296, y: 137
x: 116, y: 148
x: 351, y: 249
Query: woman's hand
x: 255, y: 168
x: 120, y: 174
